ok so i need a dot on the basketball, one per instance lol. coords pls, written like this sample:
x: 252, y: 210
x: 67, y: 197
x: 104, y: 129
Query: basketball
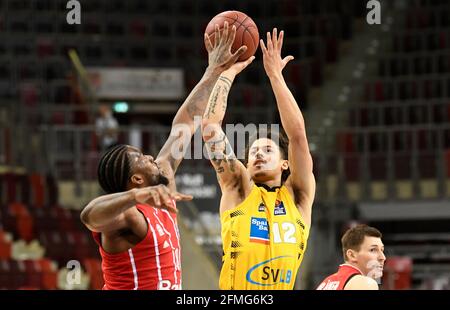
x: 246, y: 31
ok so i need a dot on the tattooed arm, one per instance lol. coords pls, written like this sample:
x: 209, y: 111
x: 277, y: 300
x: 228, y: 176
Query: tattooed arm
x: 231, y: 173
x: 220, y: 58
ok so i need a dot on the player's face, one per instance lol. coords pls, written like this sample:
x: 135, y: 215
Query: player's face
x: 146, y: 168
x: 370, y: 258
x: 264, y: 160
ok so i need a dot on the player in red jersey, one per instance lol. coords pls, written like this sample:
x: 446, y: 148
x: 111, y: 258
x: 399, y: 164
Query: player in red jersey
x: 364, y: 259
x: 135, y: 223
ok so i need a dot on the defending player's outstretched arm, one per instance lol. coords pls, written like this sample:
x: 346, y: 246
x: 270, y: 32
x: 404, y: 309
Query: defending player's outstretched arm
x: 220, y: 58
x: 301, y: 178
x: 116, y: 211
x: 229, y: 170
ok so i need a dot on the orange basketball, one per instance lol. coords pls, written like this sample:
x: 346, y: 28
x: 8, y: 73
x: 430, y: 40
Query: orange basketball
x: 246, y: 31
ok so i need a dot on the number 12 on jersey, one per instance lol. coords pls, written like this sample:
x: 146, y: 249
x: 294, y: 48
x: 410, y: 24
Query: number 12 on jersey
x: 286, y: 234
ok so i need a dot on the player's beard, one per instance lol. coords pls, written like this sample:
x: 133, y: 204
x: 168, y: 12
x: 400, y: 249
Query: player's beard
x: 163, y: 180
x: 157, y: 179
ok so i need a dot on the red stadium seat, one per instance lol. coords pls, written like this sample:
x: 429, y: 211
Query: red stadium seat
x: 11, y: 187
x: 48, y: 274
x: 447, y: 161
x: 345, y: 142
x: 5, y: 246
x: 38, y: 190
x: 94, y: 269
x: 34, y: 277
x: 24, y: 221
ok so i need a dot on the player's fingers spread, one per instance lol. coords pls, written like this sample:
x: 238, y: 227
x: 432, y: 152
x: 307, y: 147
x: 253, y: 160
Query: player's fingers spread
x: 239, y: 52
x: 263, y: 46
x: 275, y: 38
x: 208, y: 43
x: 280, y: 40
x: 287, y: 59
x: 216, y: 35
x: 224, y: 35
x: 269, y: 43
x: 182, y: 197
x: 231, y: 35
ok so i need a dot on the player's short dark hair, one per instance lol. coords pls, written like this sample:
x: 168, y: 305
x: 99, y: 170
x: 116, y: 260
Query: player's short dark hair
x: 280, y: 139
x: 114, y: 168
x: 354, y: 237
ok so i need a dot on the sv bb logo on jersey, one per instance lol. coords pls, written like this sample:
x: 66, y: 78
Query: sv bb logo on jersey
x: 264, y: 275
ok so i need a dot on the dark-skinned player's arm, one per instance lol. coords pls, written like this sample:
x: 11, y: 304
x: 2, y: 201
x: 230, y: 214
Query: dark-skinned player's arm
x: 111, y: 212
x: 301, y: 178
x: 220, y: 58
x: 230, y: 171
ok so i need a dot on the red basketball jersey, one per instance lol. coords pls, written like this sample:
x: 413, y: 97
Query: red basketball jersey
x: 338, y: 280
x: 152, y: 264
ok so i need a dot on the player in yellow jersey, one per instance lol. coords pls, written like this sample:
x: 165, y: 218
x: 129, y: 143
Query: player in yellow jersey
x: 266, y: 203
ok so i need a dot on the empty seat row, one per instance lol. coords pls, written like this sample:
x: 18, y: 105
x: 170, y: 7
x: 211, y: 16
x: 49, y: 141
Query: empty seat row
x: 66, y: 246
x: 415, y: 65
x: 397, y: 140
x: 431, y: 17
x: 401, y: 114
x: 208, y: 8
x: 410, y: 42
x: 32, y: 68
x: 44, y: 274
x: 377, y: 167
x: 28, y: 274
x: 407, y: 88
x: 35, y: 189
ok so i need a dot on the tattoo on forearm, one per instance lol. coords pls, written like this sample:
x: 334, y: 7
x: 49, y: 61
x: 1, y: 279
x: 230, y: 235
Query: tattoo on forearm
x: 224, y: 99
x: 216, y: 160
x: 196, y: 102
x: 221, y: 152
x: 226, y: 80
x: 221, y: 90
x: 213, y: 102
x: 220, y: 170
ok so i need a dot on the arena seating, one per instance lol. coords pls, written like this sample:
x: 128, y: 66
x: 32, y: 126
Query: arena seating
x: 38, y: 237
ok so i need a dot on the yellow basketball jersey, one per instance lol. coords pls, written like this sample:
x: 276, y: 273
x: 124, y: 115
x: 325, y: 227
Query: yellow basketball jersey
x: 264, y: 240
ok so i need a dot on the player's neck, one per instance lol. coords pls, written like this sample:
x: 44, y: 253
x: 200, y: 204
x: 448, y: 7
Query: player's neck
x: 271, y: 183
x: 354, y: 266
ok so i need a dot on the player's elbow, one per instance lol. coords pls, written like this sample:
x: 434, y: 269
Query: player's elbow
x: 87, y: 218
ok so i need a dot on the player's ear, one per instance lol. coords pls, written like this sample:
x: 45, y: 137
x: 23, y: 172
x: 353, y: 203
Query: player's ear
x: 351, y: 255
x: 285, y: 165
x: 137, y: 179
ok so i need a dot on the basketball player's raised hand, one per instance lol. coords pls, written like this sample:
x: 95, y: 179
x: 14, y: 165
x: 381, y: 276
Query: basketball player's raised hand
x: 273, y: 63
x: 160, y: 197
x: 220, y: 56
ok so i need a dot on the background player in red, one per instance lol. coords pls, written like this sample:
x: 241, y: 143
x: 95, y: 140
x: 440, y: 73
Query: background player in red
x: 137, y: 235
x: 364, y: 259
